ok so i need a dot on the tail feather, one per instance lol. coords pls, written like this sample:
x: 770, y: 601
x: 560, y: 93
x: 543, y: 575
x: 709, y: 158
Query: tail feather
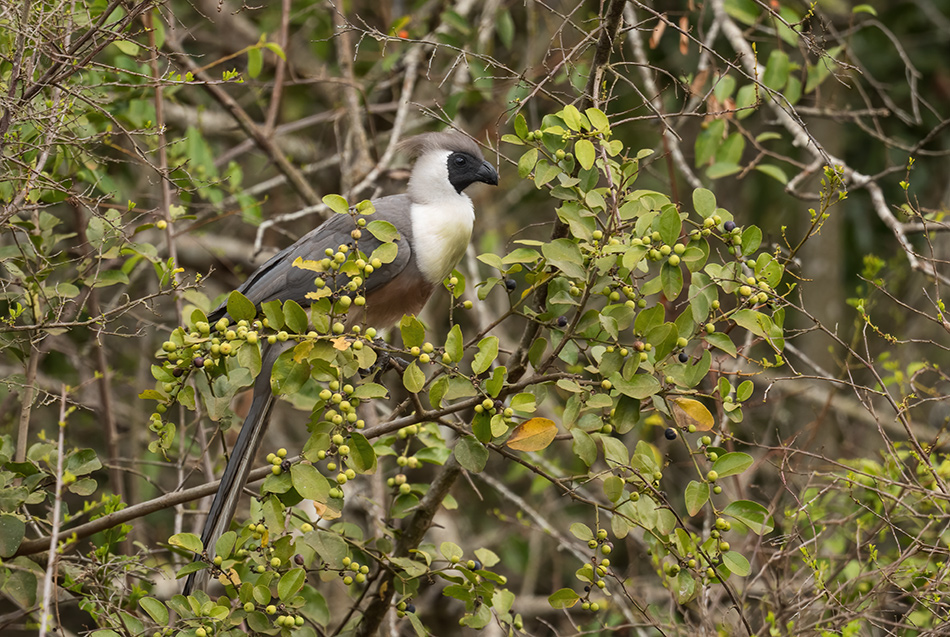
x: 239, y: 466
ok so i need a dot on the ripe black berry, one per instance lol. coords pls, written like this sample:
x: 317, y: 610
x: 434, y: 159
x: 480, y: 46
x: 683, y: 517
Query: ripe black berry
x: 410, y: 608
x: 177, y: 372
x: 198, y: 361
x: 298, y: 559
x: 683, y: 357
x: 562, y: 321
x: 511, y: 284
x: 670, y: 433
x: 729, y: 226
x: 478, y: 565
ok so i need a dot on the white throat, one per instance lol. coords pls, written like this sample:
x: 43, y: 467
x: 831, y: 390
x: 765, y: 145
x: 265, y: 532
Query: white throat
x: 442, y: 219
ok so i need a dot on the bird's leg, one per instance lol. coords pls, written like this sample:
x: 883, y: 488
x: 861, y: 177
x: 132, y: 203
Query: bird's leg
x: 384, y: 360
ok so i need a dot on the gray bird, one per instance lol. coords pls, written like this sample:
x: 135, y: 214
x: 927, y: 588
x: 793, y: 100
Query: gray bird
x: 434, y: 219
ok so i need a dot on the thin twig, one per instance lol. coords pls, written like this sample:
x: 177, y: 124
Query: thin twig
x: 45, y: 611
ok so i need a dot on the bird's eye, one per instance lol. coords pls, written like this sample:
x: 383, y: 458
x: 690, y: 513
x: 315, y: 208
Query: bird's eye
x: 460, y: 160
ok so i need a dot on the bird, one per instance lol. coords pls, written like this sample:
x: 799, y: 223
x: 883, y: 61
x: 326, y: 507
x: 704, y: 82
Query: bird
x: 434, y: 219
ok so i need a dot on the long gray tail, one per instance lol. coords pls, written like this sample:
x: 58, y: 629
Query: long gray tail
x: 238, y: 467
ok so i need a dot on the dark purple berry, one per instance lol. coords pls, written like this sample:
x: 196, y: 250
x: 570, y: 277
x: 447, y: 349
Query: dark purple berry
x: 198, y: 361
x: 410, y: 608
x: 298, y: 559
x: 478, y: 566
x: 177, y: 372
x: 683, y: 357
x: 562, y: 321
x: 729, y: 226
x: 511, y: 284
x: 587, y: 589
x: 670, y: 433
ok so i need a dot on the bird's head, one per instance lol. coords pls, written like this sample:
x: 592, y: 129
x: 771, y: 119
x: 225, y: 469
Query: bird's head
x: 447, y: 161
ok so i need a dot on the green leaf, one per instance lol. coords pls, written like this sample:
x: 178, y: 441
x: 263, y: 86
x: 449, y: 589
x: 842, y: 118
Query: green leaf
x: 565, y: 255
x: 697, y: 494
x: 255, y: 61
x: 384, y: 231
x: 744, y: 391
x: 752, y: 514
x: 527, y: 162
x: 669, y: 224
x: 730, y: 151
x: 640, y: 386
x: 487, y: 353
x: 724, y: 87
x: 751, y: 240
x: 773, y: 171
x: 450, y: 550
x: 336, y: 203
x: 127, y: 47
x: 309, y: 482
x: 598, y: 120
x: 287, y: 375
x: 582, y: 532
x: 329, y: 546
x: 362, y: 455
x: 290, y: 584
x: 776, y: 70
x: 571, y: 117
x: 413, y: 379
x: 240, y: 308
x: 413, y: 331
x: 454, y: 344
x: 723, y: 342
x: 471, y: 454
x: 704, y: 202
x: 187, y: 541
x: 746, y: 100
x: 295, y: 317
x: 276, y: 49
x: 671, y: 280
x: 274, y: 314
x: 225, y: 544
x: 614, y: 488
x: 521, y: 126
x: 545, y: 171
x: 584, y: 446
x: 487, y: 557
x: 564, y: 598
x: 864, y: 8
x: 82, y: 461
x: 585, y: 152
x: 12, y: 530
x: 722, y: 169
x: 732, y: 463
x: 736, y: 563
x: 155, y: 609
x: 708, y: 141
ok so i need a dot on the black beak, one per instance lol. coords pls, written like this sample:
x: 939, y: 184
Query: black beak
x: 487, y: 174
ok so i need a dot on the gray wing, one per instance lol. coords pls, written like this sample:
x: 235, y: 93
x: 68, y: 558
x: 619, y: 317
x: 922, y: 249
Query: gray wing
x: 278, y: 279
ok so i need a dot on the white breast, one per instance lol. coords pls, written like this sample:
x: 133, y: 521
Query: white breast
x: 441, y: 233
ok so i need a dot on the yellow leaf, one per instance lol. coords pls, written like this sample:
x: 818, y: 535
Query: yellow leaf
x: 533, y: 435
x: 687, y: 411
x: 340, y: 343
x: 230, y: 579
x: 307, y: 264
x: 301, y: 350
